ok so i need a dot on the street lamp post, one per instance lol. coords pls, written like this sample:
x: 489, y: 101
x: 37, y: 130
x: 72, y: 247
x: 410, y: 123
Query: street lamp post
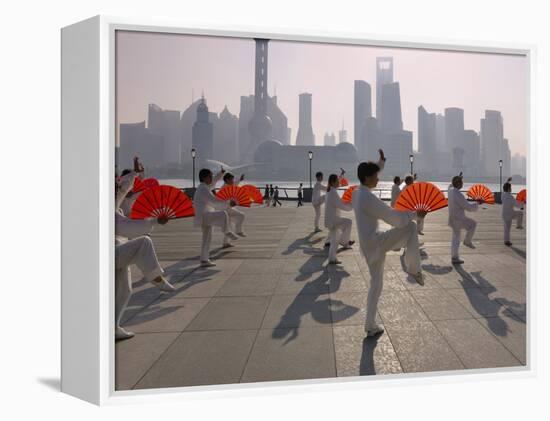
x: 411, y: 159
x: 500, y: 177
x: 193, y: 155
x: 310, y: 154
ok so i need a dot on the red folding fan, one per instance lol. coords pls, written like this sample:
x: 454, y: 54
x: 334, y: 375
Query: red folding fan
x: 236, y: 193
x: 421, y: 196
x: 254, y: 193
x: 140, y: 184
x: 344, y: 182
x: 480, y: 192
x: 162, y: 201
x: 346, y: 197
x: 522, y: 196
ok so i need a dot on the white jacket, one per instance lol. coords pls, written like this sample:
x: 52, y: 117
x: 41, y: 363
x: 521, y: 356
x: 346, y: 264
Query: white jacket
x: 125, y: 185
x: 395, y: 192
x: 127, y: 229
x: 509, y: 202
x: 204, y: 201
x: 317, y: 199
x: 457, y: 207
x: 333, y: 206
x: 369, y: 209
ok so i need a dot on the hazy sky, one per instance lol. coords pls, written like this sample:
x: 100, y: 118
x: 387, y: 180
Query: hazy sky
x: 166, y: 69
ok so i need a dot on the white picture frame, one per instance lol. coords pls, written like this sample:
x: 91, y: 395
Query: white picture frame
x: 88, y: 165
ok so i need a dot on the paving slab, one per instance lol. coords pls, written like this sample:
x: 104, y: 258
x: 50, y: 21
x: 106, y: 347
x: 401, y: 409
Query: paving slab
x: 438, y: 304
x: 474, y: 345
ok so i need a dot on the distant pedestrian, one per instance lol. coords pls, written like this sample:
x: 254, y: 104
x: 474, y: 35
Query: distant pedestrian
x: 266, y: 195
x: 300, y: 195
x: 276, y: 197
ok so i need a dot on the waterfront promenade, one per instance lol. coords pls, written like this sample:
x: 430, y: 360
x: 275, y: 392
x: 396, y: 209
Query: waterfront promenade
x: 272, y: 310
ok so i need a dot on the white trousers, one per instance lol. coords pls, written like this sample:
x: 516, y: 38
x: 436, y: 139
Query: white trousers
x: 518, y: 216
x: 470, y: 226
x: 420, y: 225
x: 210, y: 219
x: 317, y: 209
x: 236, y: 218
x: 338, y: 234
x: 140, y: 252
x: 395, y: 238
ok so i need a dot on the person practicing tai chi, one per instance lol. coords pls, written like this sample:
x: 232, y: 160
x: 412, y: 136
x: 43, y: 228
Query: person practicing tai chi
x: 509, y: 212
x: 409, y: 181
x: 236, y: 217
x: 369, y: 209
x: 395, y: 190
x: 458, y: 205
x: 318, y: 199
x: 132, y: 246
x: 211, y: 211
x: 339, y: 228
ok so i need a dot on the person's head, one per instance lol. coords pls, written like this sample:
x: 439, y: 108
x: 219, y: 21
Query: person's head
x: 228, y: 178
x: 301, y: 184
x: 397, y: 180
x: 319, y: 176
x: 367, y: 173
x: 271, y: 186
x: 125, y: 171
x: 457, y: 182
x: 507, y: 187
x: 333, y: 181
x: 205, y: 176
x: 409, y: 180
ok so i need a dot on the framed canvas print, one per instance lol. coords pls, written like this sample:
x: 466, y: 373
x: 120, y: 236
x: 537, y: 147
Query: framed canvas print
x: 249, y: 208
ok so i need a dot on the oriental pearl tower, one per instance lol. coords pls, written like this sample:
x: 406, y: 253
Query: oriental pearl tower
x: 260, y: 124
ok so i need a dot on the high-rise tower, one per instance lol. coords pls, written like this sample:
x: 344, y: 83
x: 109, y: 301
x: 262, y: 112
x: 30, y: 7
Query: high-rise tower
x: 305, y: 131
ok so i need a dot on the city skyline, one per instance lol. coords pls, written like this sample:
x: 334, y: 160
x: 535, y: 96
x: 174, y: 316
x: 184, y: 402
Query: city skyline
x: 148, y: 71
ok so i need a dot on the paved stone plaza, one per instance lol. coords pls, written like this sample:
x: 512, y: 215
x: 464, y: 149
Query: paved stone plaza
x: 272, y: 310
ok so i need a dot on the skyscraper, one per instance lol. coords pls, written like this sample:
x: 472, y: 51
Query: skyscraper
x: 260, y: 125
x: 305, y: 134
x: 329, y: 139
x: 203, y: 133
x: 427, y: 134
x: 470, y: 144
x: 384, y: 74
x: 166, y: 123
x: 454, y: 127
x: 390, y: 119
x: 226, y: 148
x: 362, y: 110
x: 491, y: 139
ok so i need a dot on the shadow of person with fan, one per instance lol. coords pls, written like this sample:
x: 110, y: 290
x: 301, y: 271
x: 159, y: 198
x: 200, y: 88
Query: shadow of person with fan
x: 478, y: 289
x: 307, y: 301
x: 304, y: 245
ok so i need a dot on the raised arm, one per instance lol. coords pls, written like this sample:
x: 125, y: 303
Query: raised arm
x: 132, y: 228
x: 464, y: 204
x: 125, y: 184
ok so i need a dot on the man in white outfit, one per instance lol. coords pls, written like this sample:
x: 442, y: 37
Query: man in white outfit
x: 211, y: 211
x: 395, y: 190
x: 369, y: 209
x: 133, y: 247
x: 458, y: 220
x: 509, y: 213
x: 236, y: 217
x: 339, y: 228
x: 318, y: 199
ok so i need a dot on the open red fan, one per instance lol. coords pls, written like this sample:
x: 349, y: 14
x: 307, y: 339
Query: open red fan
x: 481, y: 192
x: 421, y: 196
x: 236, y: 193
x: 522, y: 196
x: 140, y: 184
x: 346, y: 197
x: 254, y: 193
x: 162, y: 201
x: 344, y: 182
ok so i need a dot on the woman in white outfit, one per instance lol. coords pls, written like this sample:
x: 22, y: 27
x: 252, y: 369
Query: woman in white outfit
x: 458, y: 205
x: 133, y: 247
x: 339, y: 227
x: 395, y: 190
x: 236, y: 217
x: 211, y: 211
x: 318, y: 199
x: 369, y: 209
x: 509, y: 213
